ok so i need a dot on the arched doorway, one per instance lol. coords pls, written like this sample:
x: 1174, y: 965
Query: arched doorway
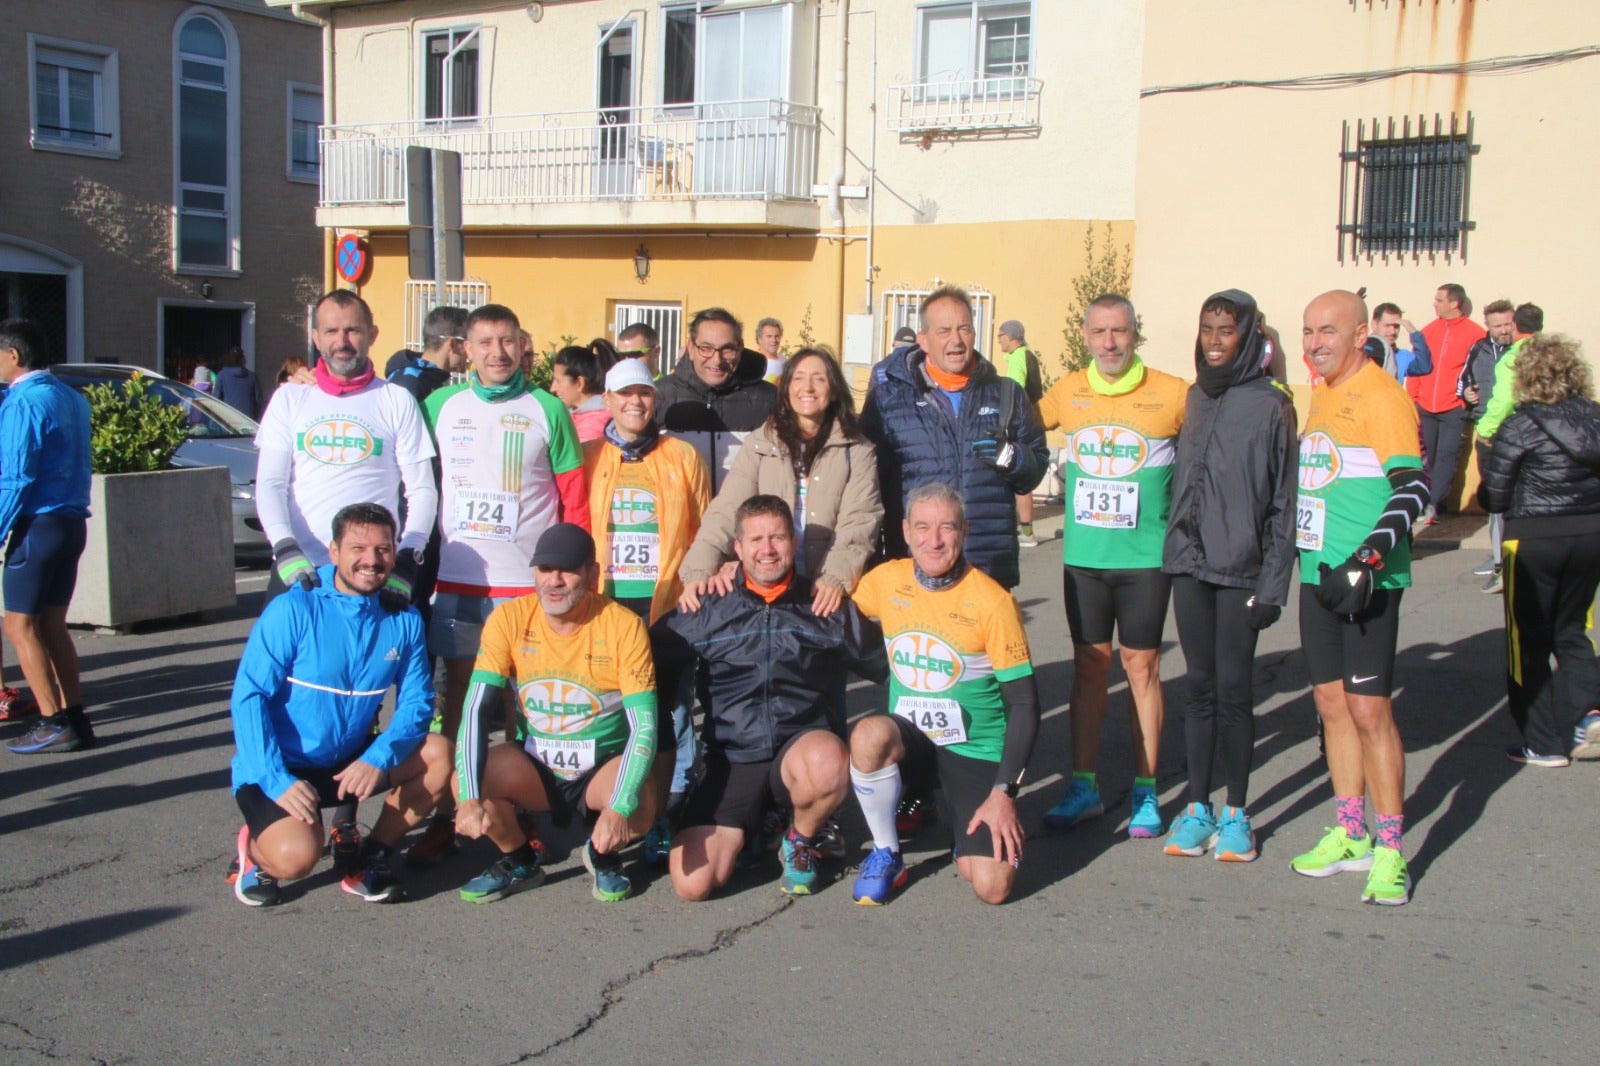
x: 41, y: 283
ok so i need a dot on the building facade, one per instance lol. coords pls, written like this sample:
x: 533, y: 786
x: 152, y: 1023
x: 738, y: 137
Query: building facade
x: 158, y: 190
x: 823, y: 162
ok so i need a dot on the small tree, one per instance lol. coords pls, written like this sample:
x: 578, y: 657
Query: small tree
x: 1111, y: 272
x: 132, y: 431
x: 543, y: 368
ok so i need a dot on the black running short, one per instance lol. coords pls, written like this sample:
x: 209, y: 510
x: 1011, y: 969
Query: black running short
x: 738, y: 794
x: 1135, y: 601
x: 567, y: 798
x: 261, y: 810
x: 1359, y: 652
x: 966, y: 783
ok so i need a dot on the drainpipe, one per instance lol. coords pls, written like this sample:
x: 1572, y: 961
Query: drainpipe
x: 329, y: 278
x: 841, y: 84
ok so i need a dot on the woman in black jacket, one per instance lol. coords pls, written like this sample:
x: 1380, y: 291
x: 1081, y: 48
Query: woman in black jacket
x: 1543, y: 474
x: 1230, y: 548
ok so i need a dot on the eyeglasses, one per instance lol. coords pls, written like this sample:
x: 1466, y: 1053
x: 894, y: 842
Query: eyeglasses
x: 727, y: 351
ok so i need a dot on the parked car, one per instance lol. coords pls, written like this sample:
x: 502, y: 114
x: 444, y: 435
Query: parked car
x: 218, y: 436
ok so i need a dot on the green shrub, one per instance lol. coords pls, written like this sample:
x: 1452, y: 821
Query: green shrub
x: 1112, y: 272
x: 132, y: 431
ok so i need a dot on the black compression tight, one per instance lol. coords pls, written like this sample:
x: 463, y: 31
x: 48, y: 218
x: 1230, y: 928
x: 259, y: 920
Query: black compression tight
x: 1219, y: 648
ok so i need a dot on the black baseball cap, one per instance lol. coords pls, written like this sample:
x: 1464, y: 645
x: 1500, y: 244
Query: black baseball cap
x: 564, y: 546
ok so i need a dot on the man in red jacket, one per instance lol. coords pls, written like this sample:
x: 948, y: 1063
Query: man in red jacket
x: 1448, y: 338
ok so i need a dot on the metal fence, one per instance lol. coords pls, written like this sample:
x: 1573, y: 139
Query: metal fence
x: 422, y: 297
x: 968, y: 104
x: 747, y: 149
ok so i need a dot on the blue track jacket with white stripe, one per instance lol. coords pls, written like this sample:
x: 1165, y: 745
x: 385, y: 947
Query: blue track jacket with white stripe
x: 313, y: 675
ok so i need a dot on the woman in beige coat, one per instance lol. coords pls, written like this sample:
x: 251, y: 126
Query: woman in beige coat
x: 810, y: 453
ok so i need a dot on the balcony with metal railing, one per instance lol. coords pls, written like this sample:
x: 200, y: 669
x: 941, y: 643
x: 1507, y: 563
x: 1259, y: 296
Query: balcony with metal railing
x: 1003, y: 105
x: 589, y: 167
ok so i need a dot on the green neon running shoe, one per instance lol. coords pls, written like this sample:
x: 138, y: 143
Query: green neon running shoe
x: 1389, y: 883
x: 1334, y: 853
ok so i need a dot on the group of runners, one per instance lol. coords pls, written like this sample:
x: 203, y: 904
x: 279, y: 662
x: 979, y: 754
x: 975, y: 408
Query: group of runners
x: 562, y: 616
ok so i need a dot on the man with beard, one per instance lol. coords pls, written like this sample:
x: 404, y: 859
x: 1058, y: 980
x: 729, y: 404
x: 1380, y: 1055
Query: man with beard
x: 350, y: 437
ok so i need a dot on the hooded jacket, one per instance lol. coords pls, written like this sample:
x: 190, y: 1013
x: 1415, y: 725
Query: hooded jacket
x: 1235, y: 479
x: 716, y: 420
x: 921, y: 439
x: 310, y: 682
x: 1543, y: 471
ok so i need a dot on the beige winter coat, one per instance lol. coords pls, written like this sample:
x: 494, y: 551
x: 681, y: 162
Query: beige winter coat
x: 843, y: 509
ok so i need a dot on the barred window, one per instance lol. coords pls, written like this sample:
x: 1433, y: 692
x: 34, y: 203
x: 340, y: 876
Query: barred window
x: 1403, y: 191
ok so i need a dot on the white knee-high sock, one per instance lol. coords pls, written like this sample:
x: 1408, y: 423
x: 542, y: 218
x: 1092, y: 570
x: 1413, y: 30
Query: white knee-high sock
x: 878, y: 793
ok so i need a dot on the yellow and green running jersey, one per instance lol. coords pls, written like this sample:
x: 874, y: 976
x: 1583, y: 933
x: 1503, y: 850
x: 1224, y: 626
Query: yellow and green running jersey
x: 949, y: 651
x: 1357, y: 434
x: 633, y: 529
x: 1117, y: 478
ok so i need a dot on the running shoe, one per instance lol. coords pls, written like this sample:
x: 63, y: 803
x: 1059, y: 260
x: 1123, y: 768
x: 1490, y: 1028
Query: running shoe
x: 253, y: 887
x: 1533, y: 758
x: 15, y: 705
x: 1334, y: 853
x: 1025, y: 537
x: 658, y: 842
x: 1586, y: 737
x: 914, y: 814
x: 610, y: 883
x: 799, y: 865
x: 1493, y: 583
x: 438, y: 842
x: 1146, y: 820
x: 48, y: 734
x: 1430, y: 516
x: 883, y: 872
x: 1079, y: 803
x: 1485, y: 568
x: 344, y: 843
x: 831, y: 843
x: 1389, y: 883
x: 1193, y: 831
x: 506, y: 877
x: 375, y: 882
x: 1235, y: 840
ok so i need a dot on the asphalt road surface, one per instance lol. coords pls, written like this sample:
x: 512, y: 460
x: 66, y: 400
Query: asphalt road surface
x: 121, y: 942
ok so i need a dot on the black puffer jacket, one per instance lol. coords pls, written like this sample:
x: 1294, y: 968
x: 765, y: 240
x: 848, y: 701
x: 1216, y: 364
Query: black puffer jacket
x: 921, y: 440
x: 772, y: 670
x: 715, y: 420
x: 1543, y: 471
x: 1234, y: 483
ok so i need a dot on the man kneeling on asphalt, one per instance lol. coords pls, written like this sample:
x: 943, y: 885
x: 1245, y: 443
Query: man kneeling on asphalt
x: 586, y: 734
x: 773, y: 727
x: 963, y: 703
x: 305, y: 702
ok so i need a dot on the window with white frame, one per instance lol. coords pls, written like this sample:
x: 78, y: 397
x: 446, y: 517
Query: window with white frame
x: 974, y: 40
x: 207, y: 148
x: 305, y: 118
x: 73, y: 93
x: 450, y: 73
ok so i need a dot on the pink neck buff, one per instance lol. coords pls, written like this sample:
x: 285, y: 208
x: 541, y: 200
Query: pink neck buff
x: 334, y: 386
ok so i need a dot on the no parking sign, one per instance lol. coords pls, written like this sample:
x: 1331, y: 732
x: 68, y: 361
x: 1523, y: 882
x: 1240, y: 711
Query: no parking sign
x: 350, y: 258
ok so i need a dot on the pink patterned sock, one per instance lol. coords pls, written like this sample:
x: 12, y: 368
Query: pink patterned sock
x: 1352, y: 815
x: 1389, y: 826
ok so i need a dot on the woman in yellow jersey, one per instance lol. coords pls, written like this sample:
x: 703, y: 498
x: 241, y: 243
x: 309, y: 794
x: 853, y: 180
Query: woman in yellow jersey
x: 811, y: 455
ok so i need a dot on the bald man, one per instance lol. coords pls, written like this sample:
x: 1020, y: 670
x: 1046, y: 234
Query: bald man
x: 1361, y: 488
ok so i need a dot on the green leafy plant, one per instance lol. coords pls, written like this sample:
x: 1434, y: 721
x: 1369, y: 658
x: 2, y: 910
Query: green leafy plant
x: 1110, y: 272
x: 132, y: 431
x: 543, y: 365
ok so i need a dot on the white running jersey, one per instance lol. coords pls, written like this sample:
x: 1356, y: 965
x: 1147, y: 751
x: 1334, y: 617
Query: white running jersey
x: 347, y: 449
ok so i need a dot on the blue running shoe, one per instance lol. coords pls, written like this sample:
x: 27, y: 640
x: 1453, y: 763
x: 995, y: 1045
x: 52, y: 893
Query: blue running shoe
x: 252, y: 887
x: 610, y: 884
x: 1194, y: 831
x: 1235, y: 841
x: 1146, y: 821
x: 658, y: 842
x: 1080, y: 803
x: 799, y: 865
x: 1586, y: 737
x: 371, y: 879
x: 48, y: 734
x: 883, y: 872
x: 503, y: 879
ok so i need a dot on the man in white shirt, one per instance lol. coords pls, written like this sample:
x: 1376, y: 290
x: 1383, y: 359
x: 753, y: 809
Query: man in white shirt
x: 349, y: 438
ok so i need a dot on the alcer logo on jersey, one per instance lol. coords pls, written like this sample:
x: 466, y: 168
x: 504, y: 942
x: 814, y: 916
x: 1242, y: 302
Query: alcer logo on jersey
x: 339, y: 442
x: 632, y: 507
x: 1109, y: 451
x: 1319, y: 461
x: 515, y: 423
x: 924, y: 663
x: 555, y: 707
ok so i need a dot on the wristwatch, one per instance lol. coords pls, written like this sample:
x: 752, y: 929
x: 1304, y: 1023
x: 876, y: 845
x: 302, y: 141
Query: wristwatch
x: 1008, y: 787
x: 1370, y: 556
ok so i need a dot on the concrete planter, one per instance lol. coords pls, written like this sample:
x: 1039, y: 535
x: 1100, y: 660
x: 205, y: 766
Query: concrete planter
x: 160, y: 545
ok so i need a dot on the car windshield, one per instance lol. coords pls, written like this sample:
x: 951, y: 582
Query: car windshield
x: 208, y: 417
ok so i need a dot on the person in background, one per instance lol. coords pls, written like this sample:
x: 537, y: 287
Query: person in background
x: 1476, y: 388
x: 641, y: 341
x: 525, y: 364
x: 905, y: 339
x: 1543, y: 475
x: 444, y: 353
x: 1022, y: 366
x: 769, y: 341
x: 1447, y: 339
x: 578, y: 379
x: 294, y: 369
x: 236, y: 385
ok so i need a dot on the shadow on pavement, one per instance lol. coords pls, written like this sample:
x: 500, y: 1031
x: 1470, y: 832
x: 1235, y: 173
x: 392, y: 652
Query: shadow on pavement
x: 64, y: 939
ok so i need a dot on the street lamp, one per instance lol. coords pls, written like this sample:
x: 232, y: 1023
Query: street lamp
x: 641, y: 264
